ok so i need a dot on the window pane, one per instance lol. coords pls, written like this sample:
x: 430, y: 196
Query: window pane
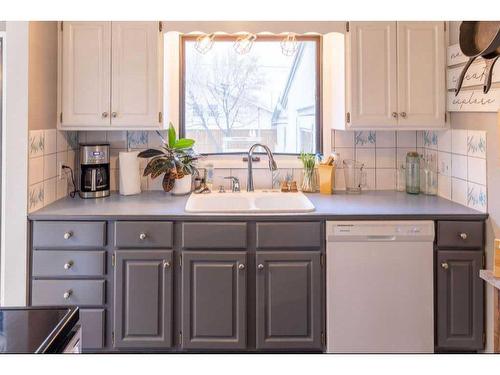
x: 232, y: 101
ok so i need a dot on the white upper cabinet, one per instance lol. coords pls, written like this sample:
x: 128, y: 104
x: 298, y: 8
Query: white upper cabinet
x: 392, y: 76
x: 421, y: 74
x: 136, y: 74
x: 86, y: 64
x: 372, y: 74
x: 110, y: 75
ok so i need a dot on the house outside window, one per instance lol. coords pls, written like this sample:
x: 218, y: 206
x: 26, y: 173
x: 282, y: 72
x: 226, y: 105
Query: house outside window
x: 231, y: 101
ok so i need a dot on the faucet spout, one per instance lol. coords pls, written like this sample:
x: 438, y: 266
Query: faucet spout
x: 272, y: 163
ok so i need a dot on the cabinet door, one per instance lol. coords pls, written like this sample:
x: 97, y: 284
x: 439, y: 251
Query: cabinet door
x: 372, y: 74
x: 421, y: 74
x: 214, y: 300
x: 136, y: 78
x: 288, y: 300
x: 459, y: 300
x: 143, y: 299
x: 86, y: 64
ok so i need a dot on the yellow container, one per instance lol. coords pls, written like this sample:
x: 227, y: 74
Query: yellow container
x: 496, y: 259
x: 326, y: 178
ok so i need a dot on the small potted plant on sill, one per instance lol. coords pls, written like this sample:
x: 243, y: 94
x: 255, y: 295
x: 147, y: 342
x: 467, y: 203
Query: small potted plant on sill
x: 176, y: 161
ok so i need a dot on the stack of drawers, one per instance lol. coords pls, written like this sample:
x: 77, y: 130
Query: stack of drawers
x: 69, y: 268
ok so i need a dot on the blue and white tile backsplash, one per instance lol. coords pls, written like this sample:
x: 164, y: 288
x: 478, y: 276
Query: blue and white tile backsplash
x: 46, y: 149
x: 462, y: 173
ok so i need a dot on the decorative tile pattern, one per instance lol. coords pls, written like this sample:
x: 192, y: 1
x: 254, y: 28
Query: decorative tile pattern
x: 365, y: 139
x: 36, y: 143
x: 137, y: 139
x: 476, y: 196
x: 476, y: 144
x: 35, y: 197
x: 430, y: 139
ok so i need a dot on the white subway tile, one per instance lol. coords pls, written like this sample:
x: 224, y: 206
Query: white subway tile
x: 345, y: 153
x: 476, y: 168
x: 386, y: 139
x: 407, y: 139
x: 459, y: 141
x: 459, y: 166
x: 50, y: 141
x: 459, y: 191
x: 366, y: 156
x: 444, y: 140
x: 444, y: 163
x: 49, y: 166
x: 444, y: 186
x: 96, y: 136
x: 49, y: 188
x: 61, y: 141
x: 35, y: 170
x: 385, y: 158
x: 344, y: 138
x: 386, y: 179
x: 117, y: 139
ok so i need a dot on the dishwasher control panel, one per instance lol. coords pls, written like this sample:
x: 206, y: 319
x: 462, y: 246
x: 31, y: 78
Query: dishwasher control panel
x: 382, y: 230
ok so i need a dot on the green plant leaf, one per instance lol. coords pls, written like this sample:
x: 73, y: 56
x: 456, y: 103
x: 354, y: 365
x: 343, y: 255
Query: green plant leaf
x: 149, y: 153
x: 183, y: 143
x: 171, y: 135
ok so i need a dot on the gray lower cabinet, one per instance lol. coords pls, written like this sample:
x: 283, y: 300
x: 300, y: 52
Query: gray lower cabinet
x: 214, y: 300
x: 460, y: 321
x: 288, y: 300
x: 143, y: 291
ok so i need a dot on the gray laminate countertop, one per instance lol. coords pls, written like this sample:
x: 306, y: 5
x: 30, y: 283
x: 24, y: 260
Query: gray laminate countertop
x: 390, y: 205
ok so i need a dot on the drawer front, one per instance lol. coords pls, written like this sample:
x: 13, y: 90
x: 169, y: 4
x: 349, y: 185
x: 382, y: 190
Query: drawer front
x: 93, y: 328
x: 288, y: 235
x: 460, y: 234
x: 62, y: 263
x: 148, y: 234
x: 78, y: 292
x: 214, y: 235
x: 69, y: 234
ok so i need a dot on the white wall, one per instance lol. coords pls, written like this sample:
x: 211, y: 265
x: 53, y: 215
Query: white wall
x: 490, y: 122
x: 14, y: 168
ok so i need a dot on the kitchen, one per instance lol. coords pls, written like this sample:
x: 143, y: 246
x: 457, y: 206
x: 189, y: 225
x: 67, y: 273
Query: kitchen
x: 253, y: 187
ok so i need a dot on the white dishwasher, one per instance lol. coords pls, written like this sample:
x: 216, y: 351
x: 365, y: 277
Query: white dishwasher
x: 380, y: 287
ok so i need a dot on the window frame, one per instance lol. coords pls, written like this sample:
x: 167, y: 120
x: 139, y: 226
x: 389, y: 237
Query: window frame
x: 274, y: 37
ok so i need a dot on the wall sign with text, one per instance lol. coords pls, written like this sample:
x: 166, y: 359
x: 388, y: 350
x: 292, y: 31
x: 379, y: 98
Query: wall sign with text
x: 471, y: 97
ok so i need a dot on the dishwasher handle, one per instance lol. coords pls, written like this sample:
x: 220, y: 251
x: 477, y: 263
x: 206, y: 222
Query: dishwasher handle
x: 364, y: 238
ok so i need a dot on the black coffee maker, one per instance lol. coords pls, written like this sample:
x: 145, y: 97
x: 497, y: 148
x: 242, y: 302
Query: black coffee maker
x: 94, y: 170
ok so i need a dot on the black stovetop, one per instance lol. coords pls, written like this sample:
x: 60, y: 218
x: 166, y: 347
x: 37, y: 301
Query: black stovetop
x: 35, y: 330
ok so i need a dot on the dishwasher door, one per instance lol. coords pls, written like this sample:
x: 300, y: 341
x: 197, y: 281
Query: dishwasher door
x: 380, y: 287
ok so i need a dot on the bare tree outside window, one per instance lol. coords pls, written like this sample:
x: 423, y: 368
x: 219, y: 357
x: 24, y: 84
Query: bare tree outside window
x: 232, y: 101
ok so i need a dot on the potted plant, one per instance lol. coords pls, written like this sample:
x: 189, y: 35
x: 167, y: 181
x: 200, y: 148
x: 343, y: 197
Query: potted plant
x: 175, y: 161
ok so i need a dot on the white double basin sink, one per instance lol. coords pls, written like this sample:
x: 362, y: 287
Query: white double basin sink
x: 249, y: 202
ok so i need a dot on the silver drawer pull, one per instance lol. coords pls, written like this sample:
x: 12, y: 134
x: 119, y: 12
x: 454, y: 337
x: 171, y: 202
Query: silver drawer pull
x: 142, y: 236
x: 444, y: 265
x: 68, y: 265
x: 68, y: 235
x: 260, y: 266
x: 241, y: 266
x: 463, y: 236
x: 67, y: 294
x: 166, y: 264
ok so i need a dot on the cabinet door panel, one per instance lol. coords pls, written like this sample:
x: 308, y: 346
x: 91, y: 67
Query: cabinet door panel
x: 372, y: 74
x: 421, y: 74
x: 213, y: 300
x: 86, y: 64
x: 143, y: 299
x: 459, y: 300
x: 136, y: 80
x: 288, y: 300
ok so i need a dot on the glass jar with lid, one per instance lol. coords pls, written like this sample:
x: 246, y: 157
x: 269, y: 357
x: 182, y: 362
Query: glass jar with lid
x: 413, y: 172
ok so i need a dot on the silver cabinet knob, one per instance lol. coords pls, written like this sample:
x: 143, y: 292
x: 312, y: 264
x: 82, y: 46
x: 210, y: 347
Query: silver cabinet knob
x: 444, y: 265
x: 166, y: 264
x: 395, y: 114
x: 402, y: 114
x: 114, y: 114
x: 67, y: 294
x: 142, y: 236
x: 68, y: 265
x: 68, y: 235
x: 241, y: 266
x: 104, y: 114
x: 463, y: 235
x: 260, y: 266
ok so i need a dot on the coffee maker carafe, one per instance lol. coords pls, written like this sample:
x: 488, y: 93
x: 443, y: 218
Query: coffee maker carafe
x: 94, y: 170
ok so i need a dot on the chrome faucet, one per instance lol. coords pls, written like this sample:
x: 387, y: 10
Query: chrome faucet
x: 272, y: 163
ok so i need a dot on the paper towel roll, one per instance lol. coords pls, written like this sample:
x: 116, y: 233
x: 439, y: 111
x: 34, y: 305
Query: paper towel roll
x: 130, y: 174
